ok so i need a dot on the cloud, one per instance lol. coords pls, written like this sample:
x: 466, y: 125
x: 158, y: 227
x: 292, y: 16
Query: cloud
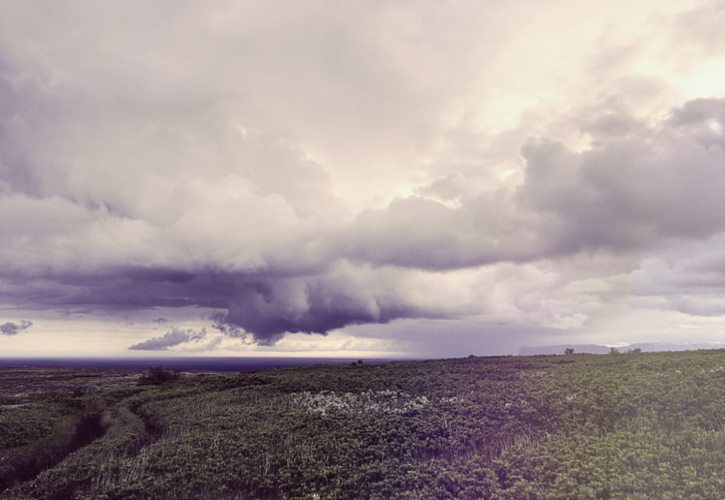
x: 344, y: 295
x: 700, y: 26
x: 311, y: 168
x: 633, y: 192
x: 633, y: 189
x: 172, y: 338
x: 194, y: 340
x: 11, y: 328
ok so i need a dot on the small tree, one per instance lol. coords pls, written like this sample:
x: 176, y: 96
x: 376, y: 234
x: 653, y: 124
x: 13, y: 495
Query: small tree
x: 568, y: 351
x: 613, y: 350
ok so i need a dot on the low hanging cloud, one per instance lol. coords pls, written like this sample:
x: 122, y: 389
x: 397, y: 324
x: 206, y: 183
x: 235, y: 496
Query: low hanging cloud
x: 172, y: 338
x: 344, y: 295
x: 11, y: 328
x: 194, y: 340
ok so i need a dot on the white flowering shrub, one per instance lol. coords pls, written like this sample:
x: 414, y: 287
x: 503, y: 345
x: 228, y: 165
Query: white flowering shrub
x: 349, y: 403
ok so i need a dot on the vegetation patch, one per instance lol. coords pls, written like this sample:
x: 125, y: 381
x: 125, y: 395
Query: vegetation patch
x: 159, y: 376
x: 570, y: 426
x: 68, y: 436
x: 367, y: 402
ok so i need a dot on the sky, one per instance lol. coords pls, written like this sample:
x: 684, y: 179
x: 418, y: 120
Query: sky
x: 364, y: 178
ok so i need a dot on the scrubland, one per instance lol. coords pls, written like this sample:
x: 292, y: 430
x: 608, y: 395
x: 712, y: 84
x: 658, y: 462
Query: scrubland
x: 576, y: 426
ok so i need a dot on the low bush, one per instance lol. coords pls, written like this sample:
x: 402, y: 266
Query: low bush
x: 159, y: 376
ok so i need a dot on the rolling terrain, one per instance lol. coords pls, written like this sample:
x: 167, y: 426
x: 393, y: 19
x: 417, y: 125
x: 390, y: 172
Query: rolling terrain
x: 638, y: 425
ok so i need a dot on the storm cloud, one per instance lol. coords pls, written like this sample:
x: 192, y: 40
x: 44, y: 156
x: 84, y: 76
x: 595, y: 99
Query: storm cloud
x: 281, y: 271
x: 303, y: 170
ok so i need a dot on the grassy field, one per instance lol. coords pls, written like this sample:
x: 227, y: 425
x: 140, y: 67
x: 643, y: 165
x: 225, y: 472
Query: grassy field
x: 576, y: 426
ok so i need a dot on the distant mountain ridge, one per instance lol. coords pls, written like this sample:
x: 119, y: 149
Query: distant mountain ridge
x: 603, y: 349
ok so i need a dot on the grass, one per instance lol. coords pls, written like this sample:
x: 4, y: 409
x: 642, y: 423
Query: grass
x: 577, y: 426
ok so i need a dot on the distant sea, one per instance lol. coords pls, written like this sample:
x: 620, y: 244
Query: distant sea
x: 205, y: 364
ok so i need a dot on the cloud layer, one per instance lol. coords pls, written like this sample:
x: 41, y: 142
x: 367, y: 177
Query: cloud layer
x: 329, y: 166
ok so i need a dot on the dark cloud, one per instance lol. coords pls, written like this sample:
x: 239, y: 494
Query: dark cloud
x: 11, y: 328
x: 316, y: 305
x: 221, y: 324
